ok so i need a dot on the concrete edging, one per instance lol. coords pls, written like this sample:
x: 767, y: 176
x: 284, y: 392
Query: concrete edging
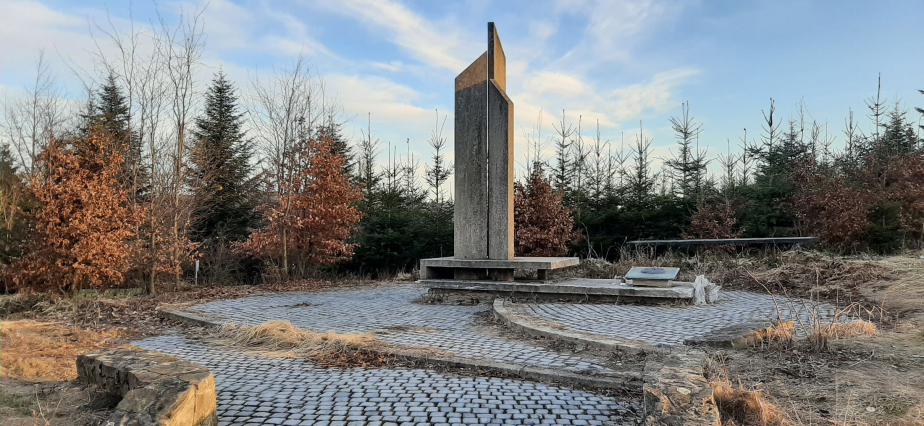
x: 514, y: 316
x: 626, y: 382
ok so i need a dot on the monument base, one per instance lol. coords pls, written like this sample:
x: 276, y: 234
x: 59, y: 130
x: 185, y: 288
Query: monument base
x: 450, y: 268
x: 585, y: 290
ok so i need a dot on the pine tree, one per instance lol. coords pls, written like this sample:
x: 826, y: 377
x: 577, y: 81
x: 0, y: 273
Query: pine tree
x: 220, y: 167
x: 898, y: 133
x: 561, y: 175
x: 689, y: 165
x: 108, y: 112
x: 341, y: 145
x: 439, y: 173
x: 111, y: 114
x: 641, y: 182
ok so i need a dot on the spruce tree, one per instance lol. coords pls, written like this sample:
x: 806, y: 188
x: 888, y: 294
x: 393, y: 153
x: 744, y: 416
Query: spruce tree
x: 111, y: 113
x: 898, y: 133
x: 220, y: 167
x: 108, y: 112
x: 341, y: 145
x: 689, y: 165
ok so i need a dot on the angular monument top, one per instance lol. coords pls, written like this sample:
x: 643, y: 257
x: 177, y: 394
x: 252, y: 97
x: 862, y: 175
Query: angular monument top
x: 491, y: 65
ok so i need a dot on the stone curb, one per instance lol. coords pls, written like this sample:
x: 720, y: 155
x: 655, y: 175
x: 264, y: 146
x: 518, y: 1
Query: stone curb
x: 156, y: 389
x: 516, y: 317
x: 189, y: 318
x: 677, y: 393
x: 625, y: 382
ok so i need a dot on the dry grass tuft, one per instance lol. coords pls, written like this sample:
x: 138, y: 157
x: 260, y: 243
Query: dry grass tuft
x: 844, y: 330
x: 45, y: 351
x: 782, y: 334
x: 824, y: 333
x: 739, y: 406
x: 326, y: 349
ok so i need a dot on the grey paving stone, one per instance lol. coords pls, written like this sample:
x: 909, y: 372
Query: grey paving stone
x: 302, y: 389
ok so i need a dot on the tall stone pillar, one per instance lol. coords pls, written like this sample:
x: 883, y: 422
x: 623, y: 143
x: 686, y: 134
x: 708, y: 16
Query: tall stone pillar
x: 483, y: 211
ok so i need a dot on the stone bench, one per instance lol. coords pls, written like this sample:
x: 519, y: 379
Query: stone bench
x: 156, y: 389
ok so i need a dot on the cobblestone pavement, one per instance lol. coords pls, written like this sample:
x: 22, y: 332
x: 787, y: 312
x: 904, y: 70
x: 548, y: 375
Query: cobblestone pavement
x: 388, y: 312
x: 254, y: 389
x: 671, y: 325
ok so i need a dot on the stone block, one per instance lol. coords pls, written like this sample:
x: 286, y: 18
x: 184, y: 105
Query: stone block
x: 676, y: 393
x: 156, y: 389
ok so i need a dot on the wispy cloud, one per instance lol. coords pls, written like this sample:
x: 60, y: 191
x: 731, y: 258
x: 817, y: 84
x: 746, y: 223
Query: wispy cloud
x: 656, y: 95
x: 434, y: 45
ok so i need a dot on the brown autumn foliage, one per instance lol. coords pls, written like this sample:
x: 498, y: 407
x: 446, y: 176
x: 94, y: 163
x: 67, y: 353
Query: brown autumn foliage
x: 310, y: 218
x: 840, y: 207
x: 543, y: 226
x: 713, y: 221
x: 84, y: 224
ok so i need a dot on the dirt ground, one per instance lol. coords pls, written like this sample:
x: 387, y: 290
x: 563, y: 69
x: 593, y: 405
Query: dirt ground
x: 41, y: 336
x: 876, y: 380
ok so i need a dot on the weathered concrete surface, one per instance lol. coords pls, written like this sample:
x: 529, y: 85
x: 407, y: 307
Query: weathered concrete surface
x: 478, y: 269
x: 483, y: 211
x: 470, y: 211
x: 500, y: 171
x: 676, y: 393
x: 156, y: 389
x: 588, y: 287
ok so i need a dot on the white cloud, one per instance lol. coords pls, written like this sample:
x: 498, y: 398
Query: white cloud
x: 435, y: 45
x: 614, y: 27
x: 656, y: 95
x: 390, y: 66
x: 386, y: 100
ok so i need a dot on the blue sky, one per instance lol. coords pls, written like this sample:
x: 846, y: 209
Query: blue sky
x: 616, y: 62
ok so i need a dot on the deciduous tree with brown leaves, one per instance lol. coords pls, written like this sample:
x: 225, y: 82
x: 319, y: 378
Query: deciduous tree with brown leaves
x: 543, y: 226
x: 713, y: 221
x: 84, y: 224
x: 308, y: 221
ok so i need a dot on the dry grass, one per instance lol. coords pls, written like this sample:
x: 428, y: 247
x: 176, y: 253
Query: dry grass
x: 739, y: 406
x: 45, y: 351
x: 327, y: 349
x: 846, y: 330
x: 782, y: 334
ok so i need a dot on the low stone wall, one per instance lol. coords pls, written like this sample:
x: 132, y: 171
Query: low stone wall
x: 676, y: 393
x: 156, y: 389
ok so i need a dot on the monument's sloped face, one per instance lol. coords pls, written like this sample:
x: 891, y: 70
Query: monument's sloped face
x: 484, y: 158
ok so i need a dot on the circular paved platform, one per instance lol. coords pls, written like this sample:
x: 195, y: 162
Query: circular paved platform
x: 254, y: 389
x: 389, y: 312
x: 666, y: 325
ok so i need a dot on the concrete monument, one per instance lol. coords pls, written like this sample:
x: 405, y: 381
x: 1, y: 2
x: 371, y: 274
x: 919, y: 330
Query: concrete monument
x: 483, y: 215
